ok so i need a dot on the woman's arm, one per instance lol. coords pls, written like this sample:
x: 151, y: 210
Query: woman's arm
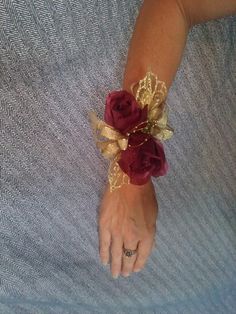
x: 160, y: 35
x: 128, y: 215
x: 158, y: 40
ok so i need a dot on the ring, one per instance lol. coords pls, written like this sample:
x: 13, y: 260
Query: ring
x: 128, y: 252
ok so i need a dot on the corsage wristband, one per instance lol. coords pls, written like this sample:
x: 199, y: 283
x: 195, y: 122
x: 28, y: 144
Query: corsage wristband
x: 131, y: 135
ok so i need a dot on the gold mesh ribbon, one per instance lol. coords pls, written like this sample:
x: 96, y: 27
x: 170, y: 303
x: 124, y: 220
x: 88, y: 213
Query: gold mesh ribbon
x: 151, y: 92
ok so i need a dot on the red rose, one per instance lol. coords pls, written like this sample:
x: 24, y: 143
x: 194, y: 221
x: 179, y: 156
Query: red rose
x: 123, y: 112
x: 143, y: 161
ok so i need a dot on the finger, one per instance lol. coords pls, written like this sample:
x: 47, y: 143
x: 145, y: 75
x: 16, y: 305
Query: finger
x: 144, y: 250
x: 104, y: 245
x: 128, y: 261
x: 116, y: 255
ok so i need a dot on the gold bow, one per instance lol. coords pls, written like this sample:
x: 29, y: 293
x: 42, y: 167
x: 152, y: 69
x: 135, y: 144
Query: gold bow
x: 115, y: 140
x: 151, y: 92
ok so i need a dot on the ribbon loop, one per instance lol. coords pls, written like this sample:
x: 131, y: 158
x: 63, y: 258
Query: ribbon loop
x: 115, y: 140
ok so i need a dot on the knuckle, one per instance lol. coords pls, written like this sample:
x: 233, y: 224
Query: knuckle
x: 105, y: 245
x: 103, y: 252
x: 132, y: 240
x: 116, y: 233
x: 103, y: 256
x: 115, y: 263
x: 116, y: 255
x: 132, y: 236
x: 146, y: 237
x: 135, y: 230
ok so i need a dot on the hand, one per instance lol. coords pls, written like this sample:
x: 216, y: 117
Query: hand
x: 127, y: 216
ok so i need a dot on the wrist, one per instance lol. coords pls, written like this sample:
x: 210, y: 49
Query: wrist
x: 134, y: 188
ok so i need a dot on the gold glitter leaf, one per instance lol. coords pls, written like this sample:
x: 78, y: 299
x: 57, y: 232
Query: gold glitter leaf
x: 116, y: 176
x: 151, y: 92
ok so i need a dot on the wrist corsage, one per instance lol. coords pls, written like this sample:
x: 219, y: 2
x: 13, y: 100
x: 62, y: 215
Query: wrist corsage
x: 130, y: 135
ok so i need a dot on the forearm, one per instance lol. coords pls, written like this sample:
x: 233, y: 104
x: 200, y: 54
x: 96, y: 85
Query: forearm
x: 158, y: 41
x: 161, y: 32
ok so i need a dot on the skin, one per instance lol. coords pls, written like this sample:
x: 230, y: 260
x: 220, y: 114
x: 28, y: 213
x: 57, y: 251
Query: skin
x: 126, y: 219
x: 127, y: 216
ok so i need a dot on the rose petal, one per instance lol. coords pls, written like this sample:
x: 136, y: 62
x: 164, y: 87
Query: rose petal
x: 123, y: 112
x: 143, y: 161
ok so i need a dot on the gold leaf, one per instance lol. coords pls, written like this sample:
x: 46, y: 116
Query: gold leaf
x: 162, y: 134
x: 116, y: 176
x: 151, y: 92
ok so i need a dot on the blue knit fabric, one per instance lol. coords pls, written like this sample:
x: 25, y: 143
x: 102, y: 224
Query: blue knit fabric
x: 58, y: 60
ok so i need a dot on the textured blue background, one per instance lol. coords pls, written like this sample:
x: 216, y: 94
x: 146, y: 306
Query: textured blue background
x: 58, y: 60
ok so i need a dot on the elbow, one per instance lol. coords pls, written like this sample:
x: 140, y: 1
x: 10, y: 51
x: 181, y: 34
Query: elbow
x: 185, y: 14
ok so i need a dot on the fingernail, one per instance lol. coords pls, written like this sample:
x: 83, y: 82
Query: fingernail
x: 115, y: 276
x: 104, y: 262
x: 137, y: 270
x: 126, y: 274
